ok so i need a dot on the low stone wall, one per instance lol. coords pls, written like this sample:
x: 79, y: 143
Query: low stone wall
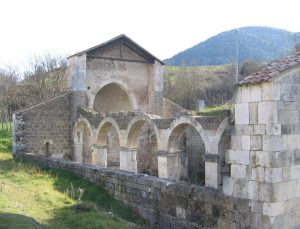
x: 162, y: 203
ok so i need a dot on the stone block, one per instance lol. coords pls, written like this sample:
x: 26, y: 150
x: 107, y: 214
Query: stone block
x: 259, y: 129
x: 256, y: 206
x: 212, y: 177
x: 238, y: 171
x: 288, y: 105
x: 286, y: 117
x: 242, y: 130
x: 252, y: 190
x: 255, y: 93
x: 295, y: 172
x: 180, y: 212
x: 298, y: 189
x: 252, y: 159
x: 270, y: 91
x: 227, y: 186
x: 286, y: 158
x: 258, y: 174
x: 290, y: 142
x: 128, y: 160
x: 256, y: 142
x: 290, y: 92
x: 267, y: 112
x: 286, y: 173
x: 273, y: 209
x: 272, y: 143
x: 273, y: 129
x: 245, y: 142
x: 273, y: 175
x: 267, y: 159
x: 242, y: 113
x: 240, y: 188
x: 245, y: 189
x: 237, y: 157
x: 283, y: 191
x: 246, y: 94
x: 236, y: 142
x: 265, y: 192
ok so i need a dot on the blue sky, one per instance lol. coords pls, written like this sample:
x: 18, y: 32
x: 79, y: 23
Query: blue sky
x: 163, y: 27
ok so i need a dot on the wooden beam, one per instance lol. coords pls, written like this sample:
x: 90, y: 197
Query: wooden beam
x: 121, y: 59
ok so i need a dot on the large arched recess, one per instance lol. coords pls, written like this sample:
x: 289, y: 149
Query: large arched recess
x: 114, y: 96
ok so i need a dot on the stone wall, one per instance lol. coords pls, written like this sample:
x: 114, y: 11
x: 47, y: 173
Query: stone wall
x: 140, y: 82
x: 45, y: 128
x: 264, y: 151
x: 161, y: 202
x: 171, y: 110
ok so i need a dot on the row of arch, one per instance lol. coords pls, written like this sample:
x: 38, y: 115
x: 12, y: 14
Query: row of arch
x: 110, y: 146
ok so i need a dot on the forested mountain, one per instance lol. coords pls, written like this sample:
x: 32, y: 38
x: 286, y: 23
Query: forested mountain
x: 254, y: 43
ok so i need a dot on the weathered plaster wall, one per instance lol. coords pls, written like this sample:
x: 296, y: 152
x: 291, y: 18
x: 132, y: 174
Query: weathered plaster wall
x: 135, y: 79
x: 141, y: 81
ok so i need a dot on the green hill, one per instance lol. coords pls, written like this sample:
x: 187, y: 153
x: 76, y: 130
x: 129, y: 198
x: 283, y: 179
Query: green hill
x: 254, y: 43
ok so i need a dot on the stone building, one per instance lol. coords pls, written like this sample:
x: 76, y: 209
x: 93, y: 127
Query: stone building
x: 114, y: 127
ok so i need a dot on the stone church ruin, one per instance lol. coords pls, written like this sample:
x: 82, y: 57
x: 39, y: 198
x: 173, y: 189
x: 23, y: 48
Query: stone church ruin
x: 114, y: 127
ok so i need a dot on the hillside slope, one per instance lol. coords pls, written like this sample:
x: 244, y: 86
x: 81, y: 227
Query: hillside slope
x: 254, y: 43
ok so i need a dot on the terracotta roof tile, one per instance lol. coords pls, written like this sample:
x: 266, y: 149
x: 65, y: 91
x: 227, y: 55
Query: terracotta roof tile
x: 272, y: 70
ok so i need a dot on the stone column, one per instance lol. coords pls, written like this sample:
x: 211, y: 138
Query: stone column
x: 172, y: 166
x: 99, y: 155
x: 212, y: 170
x: 78, y: 148
x: 128, y: 159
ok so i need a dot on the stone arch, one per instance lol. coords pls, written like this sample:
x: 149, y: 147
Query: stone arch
x: 82, y: 137
x: 142, y: 137
x: 187, y: 140
x: 107, y: 148
x: 185, y: 121
x: 220, y: 134
x: 114, y: 95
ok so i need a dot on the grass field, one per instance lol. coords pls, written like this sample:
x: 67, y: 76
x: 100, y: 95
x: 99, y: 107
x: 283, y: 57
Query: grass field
x: 214, y: 111
x: 37, y: 197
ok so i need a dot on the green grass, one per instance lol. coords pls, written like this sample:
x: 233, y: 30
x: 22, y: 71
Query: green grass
x: 214, y: 111
x: 32, y: 196
x: 205, y: 72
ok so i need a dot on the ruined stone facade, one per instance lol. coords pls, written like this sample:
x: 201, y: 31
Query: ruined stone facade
x: 177, y: 171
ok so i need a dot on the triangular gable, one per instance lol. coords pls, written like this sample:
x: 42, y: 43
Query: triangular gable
x: 120, y: 48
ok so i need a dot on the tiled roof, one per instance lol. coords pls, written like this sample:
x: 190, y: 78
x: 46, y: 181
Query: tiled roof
x: 272, y: 70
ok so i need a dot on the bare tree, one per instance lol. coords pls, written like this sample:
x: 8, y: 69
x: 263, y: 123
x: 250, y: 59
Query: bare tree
x: 44, y: 77
x: 9, y: 100
x: 186, y: 85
